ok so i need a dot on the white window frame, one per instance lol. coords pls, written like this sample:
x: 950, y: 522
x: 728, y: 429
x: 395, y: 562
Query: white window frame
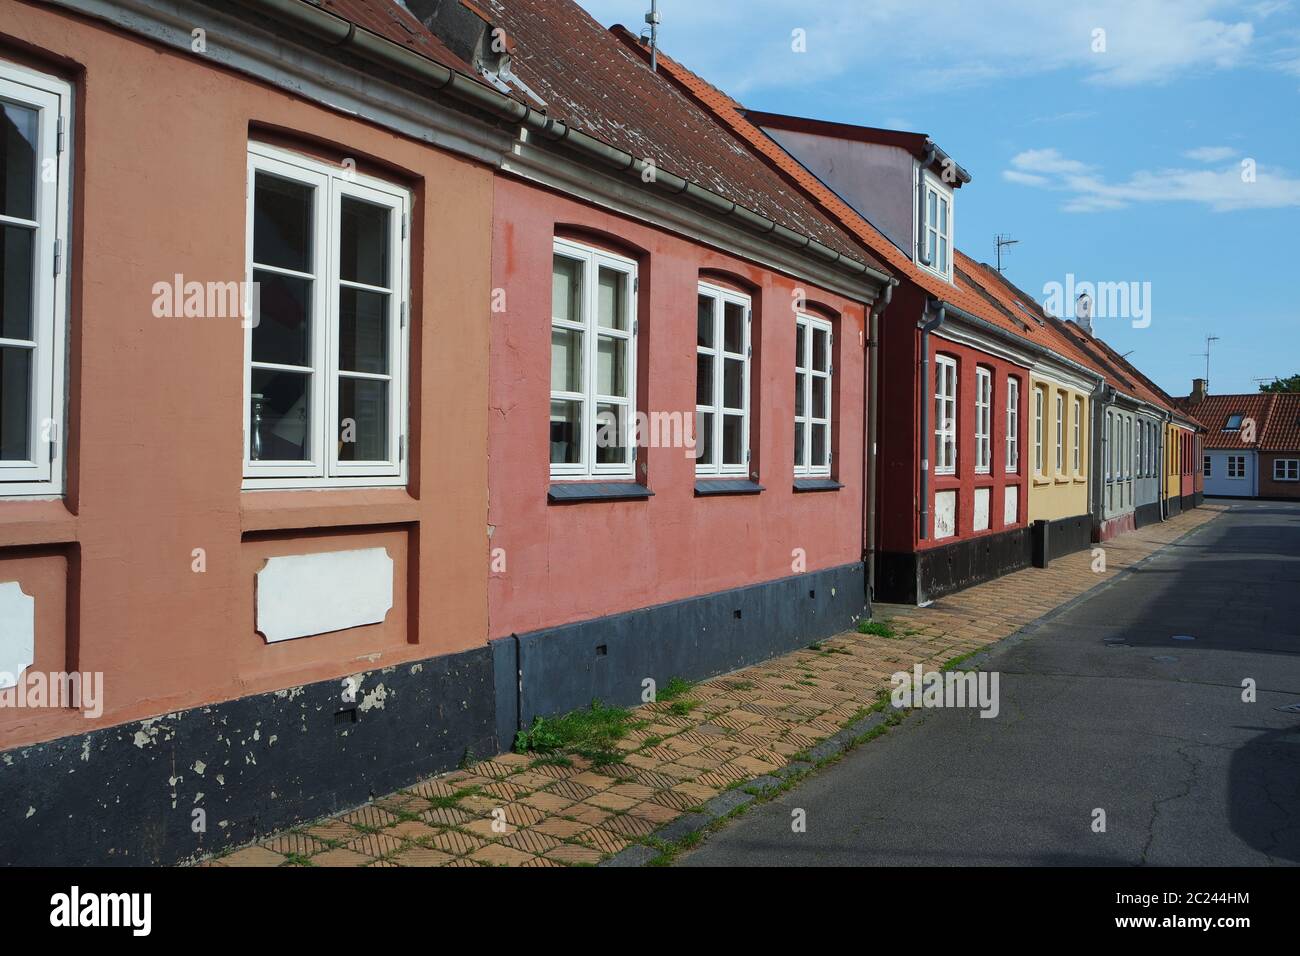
x: 41, y: 475
x: 1013, y: 425
x: 1128, y: 448
x: 330, y: 185
x: 1078, y: 435
x: 1060, y: 433
x: 589, y: 326
x: 983, y: 420
x: 1109, y: 452
x: 721, y: 297
x: 1286, y: 469
x: 1040, y: 400
x: 945, y: 415
x: 931, y: 235
x: 1236, y: 467
x: 806, y: 467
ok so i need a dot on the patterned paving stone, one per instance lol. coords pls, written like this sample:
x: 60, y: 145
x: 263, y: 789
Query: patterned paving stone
x: 296, y: 844
x: 498, y: 854
x: 422, y: 856
x: 445, y: 816
x: 374, y: 844
x: 571, y: 854
x: 561, y: 829
x: 531, y: 841
x: 340, y: 857
x: 370, y: 816
x: 606, y: 841
x: 628, y: 825
x: 253, y: 856
x: 455, y: 842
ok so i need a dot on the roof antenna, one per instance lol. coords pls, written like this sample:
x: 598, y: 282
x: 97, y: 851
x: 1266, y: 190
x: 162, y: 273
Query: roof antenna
x: 1208, y: 340
x: 652, y: 18
x: 1002, y: 239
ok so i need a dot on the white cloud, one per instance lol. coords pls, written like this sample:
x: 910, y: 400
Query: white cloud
x: 1211, y: 154
x: 1223, y: 190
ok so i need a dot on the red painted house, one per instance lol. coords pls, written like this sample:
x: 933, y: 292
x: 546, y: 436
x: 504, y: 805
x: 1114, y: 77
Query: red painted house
x: 683, y: 286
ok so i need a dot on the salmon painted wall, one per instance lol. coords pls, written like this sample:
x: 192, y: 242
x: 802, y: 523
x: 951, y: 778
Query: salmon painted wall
x: 1060, y: 494
x: 965, y: 482
x: 573, y: 562
x: 156, y: 404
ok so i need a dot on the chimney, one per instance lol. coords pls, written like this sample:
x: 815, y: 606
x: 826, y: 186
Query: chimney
x: 1198, y: 391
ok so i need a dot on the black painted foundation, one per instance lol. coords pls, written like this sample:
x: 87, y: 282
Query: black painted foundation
x: 128, y: 794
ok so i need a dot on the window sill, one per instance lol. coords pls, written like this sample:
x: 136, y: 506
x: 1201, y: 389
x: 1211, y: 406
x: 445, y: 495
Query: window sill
x: 301, y: 509
x: 816, y: 484
x: 26, y: 522
x: 572, y: 492
x: 711, y: 487
x: 1039, y: 481
x: 1064, y: 480
x: 1080, y: 479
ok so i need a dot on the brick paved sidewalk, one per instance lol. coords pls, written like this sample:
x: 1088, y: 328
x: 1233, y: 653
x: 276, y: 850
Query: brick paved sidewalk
x: 745, y: 732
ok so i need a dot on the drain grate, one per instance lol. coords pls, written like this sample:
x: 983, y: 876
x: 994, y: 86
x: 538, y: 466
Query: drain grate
x: 1289, y: 709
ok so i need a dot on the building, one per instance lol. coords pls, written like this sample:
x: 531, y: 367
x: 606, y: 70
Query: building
x: 1250, y: 442
x: 656, y: 561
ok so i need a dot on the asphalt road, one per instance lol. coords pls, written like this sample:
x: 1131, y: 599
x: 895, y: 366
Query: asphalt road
x: 1103, y: 707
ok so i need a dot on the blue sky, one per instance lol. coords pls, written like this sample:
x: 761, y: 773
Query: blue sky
x: 1117, y: 156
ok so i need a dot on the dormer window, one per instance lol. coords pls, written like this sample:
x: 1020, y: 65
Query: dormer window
x: 1234, y: 423
x: 935, y: 226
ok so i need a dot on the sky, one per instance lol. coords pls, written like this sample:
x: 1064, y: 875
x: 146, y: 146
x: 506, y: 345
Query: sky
x: 1128, y: 141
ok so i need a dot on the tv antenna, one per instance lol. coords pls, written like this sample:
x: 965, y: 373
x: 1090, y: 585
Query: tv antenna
x: 1002, y: 239
x: 1206, y: 353
x: 652, y: 18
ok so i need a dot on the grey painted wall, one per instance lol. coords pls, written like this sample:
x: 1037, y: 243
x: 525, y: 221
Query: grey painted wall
x: 874, y: 179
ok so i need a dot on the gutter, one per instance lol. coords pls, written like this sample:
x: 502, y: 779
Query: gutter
x: 871, y: 433
x: 345, y: 35
x: 1000, y: 333
x: 927, y: 402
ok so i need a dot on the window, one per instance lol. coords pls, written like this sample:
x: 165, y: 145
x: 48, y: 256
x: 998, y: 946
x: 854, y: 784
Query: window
x: 1234, y: 422
x: 937, y: 225
x: 1236, y: 466
x: 1038, y: 430
x: 1109, y: 452
x: 1128, y: 448
x: 34, y: 200
x: 945, y: 415
x: 1286, y: 469
x: 1139, y: 453
x: 593, y: 363
x: 1078, y: 416
x: 325, y: 380
x: 983, y: 419
x: 1013, y: 425
x: 813, y: 368
x: 1208, y: 470
x: 722, y: 351
x: 1060, y: 433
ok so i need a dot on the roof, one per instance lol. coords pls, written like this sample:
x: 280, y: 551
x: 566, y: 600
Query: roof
x: 966, y: 295
x: 1276, y: 416
x: 918, y: 144
x: 392, y: 21
x: 592, y: 82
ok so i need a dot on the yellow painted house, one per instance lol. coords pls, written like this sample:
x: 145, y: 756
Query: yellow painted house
x: 1059, y: 431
